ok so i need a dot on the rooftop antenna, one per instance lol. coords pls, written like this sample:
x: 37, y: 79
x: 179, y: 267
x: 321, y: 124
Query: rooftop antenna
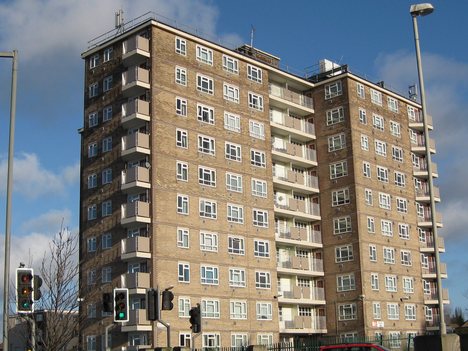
x: 252, y: 32
x: 119, y: 21
x: 412, y: 92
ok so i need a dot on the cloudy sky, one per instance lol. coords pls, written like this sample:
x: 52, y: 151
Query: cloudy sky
x: 373, y: 37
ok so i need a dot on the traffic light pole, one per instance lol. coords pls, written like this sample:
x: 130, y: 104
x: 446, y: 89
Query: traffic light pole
x: 33, y: 333
x: 168, y: 334
x: 106, y: 342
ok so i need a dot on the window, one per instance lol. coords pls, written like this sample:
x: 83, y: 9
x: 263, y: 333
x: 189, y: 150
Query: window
x: 91, y: 277
x: 373, y: 252
x: 410, y: 312
x: 385, y: 201
x: 237, y: 277
x: 183, y: 238
x: 233, y: 152
x: 205, y: 84
x: 107, y: 83
x: 347, y: 312
x: 93, y: 119
x: 239, y: 340
x: 234, y: 182
x: 210, y: 308
x: 257, y: 158
x: 368, y: 198
x: 376, y: 97
x: 92, y: 181
x: 231, y: 92
x: 335, y: 115
x: 93, y: 61
x: 91, y: 244
x: 386, y: 227
x: 342, y: 225
x: 392, y: 104
x: 382, y: 174
x: 183, y: 204
x: 402, y: 205
x: 208, y: 241
x: 92, y: 149
x: 181, y: 107
x: 420, y: 210
x: 336, y: 142
x: 209, y: 275
x: 238, y: 309
x: 106, y: 241
x: 378, y: 122
x: 205, y: 114
x: 255, y: 101
x: 395, y: 128
x: 204, y: 55
x: 259, y: 188
x: 92, y: 310
x: 344, y: 253
x: 389, y: 255
x: 262, y: 280
x: 345, y: 282
x: 257, y: 129
x: 360, y: 90
x: 92, y: 212
x: 184, y: 272
x: 333, y: 89
x: 408, y: 285
x: 206, y: 176
x: 208, y: 208
x: 180, y: 46
x: 211, y: 340
x: 374, y: 281
x: 366, y: 169
x: 107, y: 144
x: 106, y: 275
x: 406, y: 258
x: 362, y: 116
x: 376, y: 311
x: 392, y: 311
x: 264, y: 339
x: 403, y: 231
x: 181, y: 76
x: 235, y: 213
x: 93, y: 90
x: 370, y: 224
x: 206, y: 145
x: 184, y: 307
x: 338, y: 169
x: 232, y: 122
x: 91, y: 343
x: 264, y: 310
x: 340, y: 197
x: 236, y: 245
x: 106, y: 208
x: 260, y: 218
x: 411, y: 112
x: 230, y: 64
x: 107, y: 113
x: 108, y: 54
x: 182, y: 171
x: 364, y: 142
x: 400, y: 179
x: 254, y: 73
x: 397, y: 153
x: 181, y: 138
x: 261, y: 248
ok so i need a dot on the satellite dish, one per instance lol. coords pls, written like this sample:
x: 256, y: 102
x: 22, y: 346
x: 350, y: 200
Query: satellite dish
x: 147, y: 165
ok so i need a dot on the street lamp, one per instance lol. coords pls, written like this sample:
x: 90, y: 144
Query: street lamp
x: 6, y: 272
x: 416, y: 11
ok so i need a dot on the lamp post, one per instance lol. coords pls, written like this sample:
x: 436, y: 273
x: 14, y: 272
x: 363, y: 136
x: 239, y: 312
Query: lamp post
x: 417, y: 10
x: 6, y: 272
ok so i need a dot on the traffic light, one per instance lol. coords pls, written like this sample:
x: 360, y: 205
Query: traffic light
x: 152, y: 305
x: 121, y: 305
x: 24, y: 290
x: 107, y: 302
x: 37, y: 287
x: 167, y: 297
x: 195, y: 319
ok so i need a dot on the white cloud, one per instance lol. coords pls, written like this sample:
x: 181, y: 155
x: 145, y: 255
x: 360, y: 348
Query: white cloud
x: 50, y: 222
x: 32, y: 180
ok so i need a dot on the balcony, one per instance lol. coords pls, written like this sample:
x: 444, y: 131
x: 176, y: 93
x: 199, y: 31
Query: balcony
x: 300, y: 265
x: 302, y: 295
x: 287, y: 152
x: 426, y: 219
x: 432, y: 298
x: 135, y: 247
x: 422, y: 171
x: 418, y: 146
x: 135, y: 81
x: 290, y: 207
x: 422, y: 194
x: 428, y: 245
x: 137, y: 282
x: 135, y: 113
x: 429, y: 271
x: 136, y: 179
x: 417, y: 123
x: 286, y: 98
x: 137, y: 322
x: 288, y: 179
x: 135, y: 212
x: 135, y: 145
x: 284, y: 124
x: 135, y: 50
x: 299, y: 236
x: 304, y: 325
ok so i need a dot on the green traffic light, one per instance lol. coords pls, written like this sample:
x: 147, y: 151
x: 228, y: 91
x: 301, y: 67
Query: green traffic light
x: 121, y: 315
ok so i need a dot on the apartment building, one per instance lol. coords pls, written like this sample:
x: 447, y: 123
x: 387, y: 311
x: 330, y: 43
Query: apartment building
x: 241, y: 187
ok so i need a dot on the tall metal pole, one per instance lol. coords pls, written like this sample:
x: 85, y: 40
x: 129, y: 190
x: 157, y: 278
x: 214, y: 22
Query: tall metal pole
x: 6, y: 272
x: 442, y: 326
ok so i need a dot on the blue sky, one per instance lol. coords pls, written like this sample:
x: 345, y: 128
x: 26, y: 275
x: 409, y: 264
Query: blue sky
x: 374, y: 38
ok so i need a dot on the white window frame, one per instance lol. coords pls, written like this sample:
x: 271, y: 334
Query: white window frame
x: 391, y: 283
x: 333, y: 89
x: 362, y: 116
x: 231, y: 93
x: 340, y: 197
x: 336, y: 142
x: 208, y: 241
x: 364, y: 142
x: 181, y: 76
x: 181, y: 106
x: 205, y: 114
x: 107, y: 144
x: 232, y: 122
x: 183, y: 238
x: 230, y: 64
x: 234, y: 182
x: 373, y: 252
x: 205, y: 84
x: 368, y: 197
x: 259, y: 188
x: 392, y: 104
x: 257, y: 129
x: 403, y: 231
x: 360, y: 90
x: 374, y: 280
x: 183, y: 204
x: 180, y: 46
x: 238, y: 309
x: 254, y: 73
x: 259, y: 218
x: 393, y: 312
x: 208, y: 208
x: 366, y: 169
x: 376, y: 97
x: 183, y: 272
x: 370, y: 224
x: 335, y: 115
x: 262, y: 280
x: 93, y: 90
x: 264, y: 310
x: 389, y: 255
x: 184, y: 306
x: 338, y: 169
x: 385, y: 201
x: 342, y: 225
x: 92, y: 181
x: 347, y: 312
x: 237, y: 277
x: 206, y: 145
x: 210, y: 308
x: 233, y: 151
x: 181, y: 138
x: 395, y: 129
x: 106, y: 208
x: 382, y: 174
x: 235, y: 213
x: 261, y: 248
x: 204, y: 54
x: 345, y: 282
x: 344, y: 253
x: 107, y: 113
x: 182, y: 171
x: 209, y: 274
x: 397, y: 153
x: 107, y: 83
x: 236, y: 245
x: 255, y: 101
x: 93, y: 119
x: 206, y: 176
x: 378, y: 122
x: 257, y: 158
